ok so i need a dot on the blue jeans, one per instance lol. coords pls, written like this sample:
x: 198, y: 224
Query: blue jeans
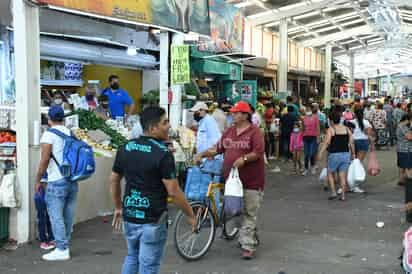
x: 145, y: 247
x: 61, y: 200
x: 310, y: 148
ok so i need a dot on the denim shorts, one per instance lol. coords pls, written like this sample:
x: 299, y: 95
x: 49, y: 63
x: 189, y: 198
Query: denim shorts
x: 405, y: 159
x: 361, y: 145
x: 338, y: 162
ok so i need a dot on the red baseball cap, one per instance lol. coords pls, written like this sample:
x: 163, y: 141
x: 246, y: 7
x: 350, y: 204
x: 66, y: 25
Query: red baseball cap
x: 241, y: 106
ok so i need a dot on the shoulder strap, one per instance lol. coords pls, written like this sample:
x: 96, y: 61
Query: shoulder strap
x: 61, y: 135
x: 58, y: 133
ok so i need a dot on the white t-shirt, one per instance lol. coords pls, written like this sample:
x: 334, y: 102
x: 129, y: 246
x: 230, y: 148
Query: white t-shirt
x: 359, y: 134
x: 53, y: 172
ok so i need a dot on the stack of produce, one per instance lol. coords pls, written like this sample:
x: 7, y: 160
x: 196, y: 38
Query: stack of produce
x: 89, y: 121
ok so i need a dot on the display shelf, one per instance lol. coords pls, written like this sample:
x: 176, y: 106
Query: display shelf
x: 60, y: 83
x: 7, y: 158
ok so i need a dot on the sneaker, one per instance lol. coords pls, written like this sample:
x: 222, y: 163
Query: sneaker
x: 57, y: 255
x: 276, y: 169
x: 339, y: 192
x: 314, y: 170
x: 305, y: 172
x: 47, y: 246
x: 357, y: 190
x: 271, y: 158
x: 248, y: 255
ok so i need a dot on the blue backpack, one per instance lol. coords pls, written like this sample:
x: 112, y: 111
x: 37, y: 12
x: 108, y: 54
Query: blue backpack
x: 78, y: 158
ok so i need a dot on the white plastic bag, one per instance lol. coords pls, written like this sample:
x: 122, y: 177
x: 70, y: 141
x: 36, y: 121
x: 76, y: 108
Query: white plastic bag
x: 323, y: 175
x: 407, y: 251
x: 360, y: 173
x: 233, y: 200
x: 9, y: 192
x: 356, y: 173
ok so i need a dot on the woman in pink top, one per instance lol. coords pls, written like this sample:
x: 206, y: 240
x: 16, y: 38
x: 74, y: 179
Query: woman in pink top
x: 311, y: 133
x: 296, y: 146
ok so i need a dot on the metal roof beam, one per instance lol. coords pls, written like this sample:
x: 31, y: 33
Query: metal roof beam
x: 338, y: 36
x: 276, y: 14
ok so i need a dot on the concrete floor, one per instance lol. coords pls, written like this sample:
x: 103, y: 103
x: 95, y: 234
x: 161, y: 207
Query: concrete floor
x: 300, y: 232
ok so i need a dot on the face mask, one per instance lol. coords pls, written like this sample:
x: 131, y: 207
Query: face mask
x: 58, y: 101
x: 197, y: 117
x: 296, y: 129
x: 115, y: 86
x: 308, y: 113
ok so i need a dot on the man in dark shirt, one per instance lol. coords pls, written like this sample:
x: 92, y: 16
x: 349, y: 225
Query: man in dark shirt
x: 286, y: 126
x: 243, y: 147
x: 149, y: 169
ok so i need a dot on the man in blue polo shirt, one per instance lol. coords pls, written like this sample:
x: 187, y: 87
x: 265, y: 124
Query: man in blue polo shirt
x: 118, y: 98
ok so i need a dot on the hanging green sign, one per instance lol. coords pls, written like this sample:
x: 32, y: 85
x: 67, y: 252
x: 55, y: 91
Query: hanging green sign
x: 180, y: 65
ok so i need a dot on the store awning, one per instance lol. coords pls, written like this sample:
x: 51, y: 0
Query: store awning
x: 227, y: 70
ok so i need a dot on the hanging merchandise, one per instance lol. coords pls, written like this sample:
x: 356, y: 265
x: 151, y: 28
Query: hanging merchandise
x: 180, y: 65
x: 246, y: 91
x: 10, y: 195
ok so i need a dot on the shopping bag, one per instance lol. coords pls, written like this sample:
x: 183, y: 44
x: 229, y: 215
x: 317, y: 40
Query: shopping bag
x: 10, y: 195
x: 373, y: 166
x: 233, y: 198
x: 351, y: 177
x: 407, y: 251
x: 359, y: 171
x: 323, y: 175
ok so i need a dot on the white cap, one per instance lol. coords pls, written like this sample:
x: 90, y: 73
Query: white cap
x: 199, y: 106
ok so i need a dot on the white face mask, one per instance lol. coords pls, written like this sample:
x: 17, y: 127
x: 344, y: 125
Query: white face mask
x: 308, y: 113
x: 58, y: 101
x: 296, y: 129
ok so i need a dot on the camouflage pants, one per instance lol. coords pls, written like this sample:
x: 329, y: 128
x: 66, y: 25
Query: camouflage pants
x: 248, y: 233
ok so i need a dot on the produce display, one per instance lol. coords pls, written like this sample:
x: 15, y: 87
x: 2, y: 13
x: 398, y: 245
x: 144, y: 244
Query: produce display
x: 82, y: 134
x: 7, y: 137
x: 89, y: 121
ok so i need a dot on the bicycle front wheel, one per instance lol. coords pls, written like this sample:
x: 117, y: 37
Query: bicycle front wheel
x: 194, y: 245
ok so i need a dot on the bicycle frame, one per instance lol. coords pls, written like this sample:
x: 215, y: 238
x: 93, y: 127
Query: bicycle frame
x: 211, y: 200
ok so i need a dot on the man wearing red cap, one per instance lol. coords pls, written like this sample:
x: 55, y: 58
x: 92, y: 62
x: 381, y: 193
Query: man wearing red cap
x: 243, y: 147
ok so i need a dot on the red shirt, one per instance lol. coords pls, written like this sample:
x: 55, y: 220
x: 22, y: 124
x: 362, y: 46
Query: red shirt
x: 234, y: 146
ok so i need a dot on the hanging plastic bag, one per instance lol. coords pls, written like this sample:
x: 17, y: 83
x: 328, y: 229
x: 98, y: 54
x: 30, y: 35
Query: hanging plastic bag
x: 323, y: 175
x: 356, y: 173
x: 351, y: 177
x: 373, y: 166
x: 9, y: 192
x: 360, y: 174
x: 233, y: 199
x: 407, y: 251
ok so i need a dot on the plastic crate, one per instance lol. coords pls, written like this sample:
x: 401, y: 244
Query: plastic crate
x: 197, y: 184
x: 4, y: 225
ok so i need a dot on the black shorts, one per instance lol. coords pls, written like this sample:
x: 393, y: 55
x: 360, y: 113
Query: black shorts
x: 405, y: 159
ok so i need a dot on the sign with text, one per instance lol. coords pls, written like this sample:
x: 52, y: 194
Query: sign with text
x: 183, y: 15
x: 180, y: 67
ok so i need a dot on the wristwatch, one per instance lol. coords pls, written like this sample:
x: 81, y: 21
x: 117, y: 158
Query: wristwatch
x: 245, y: 159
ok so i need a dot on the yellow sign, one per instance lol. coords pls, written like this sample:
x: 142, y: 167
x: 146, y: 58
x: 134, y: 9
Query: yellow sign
x: 180, y: 65
x: 132, y: 10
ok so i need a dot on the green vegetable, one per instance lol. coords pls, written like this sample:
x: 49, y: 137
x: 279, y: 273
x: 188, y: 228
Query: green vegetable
x: 89, y: 120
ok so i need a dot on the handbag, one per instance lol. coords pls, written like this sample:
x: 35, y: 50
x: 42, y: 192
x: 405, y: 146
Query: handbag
x: 233, y: 198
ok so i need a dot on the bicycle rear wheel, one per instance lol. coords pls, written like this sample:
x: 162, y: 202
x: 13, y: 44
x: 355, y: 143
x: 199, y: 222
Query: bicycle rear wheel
x: 194, y: 245
x: 231, y: 226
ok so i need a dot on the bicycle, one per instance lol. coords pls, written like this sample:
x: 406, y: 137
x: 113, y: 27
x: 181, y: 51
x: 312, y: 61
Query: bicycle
x: 209, y: 219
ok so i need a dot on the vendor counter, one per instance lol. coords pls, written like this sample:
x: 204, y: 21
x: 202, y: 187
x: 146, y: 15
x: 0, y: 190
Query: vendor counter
x: 94, y: 197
